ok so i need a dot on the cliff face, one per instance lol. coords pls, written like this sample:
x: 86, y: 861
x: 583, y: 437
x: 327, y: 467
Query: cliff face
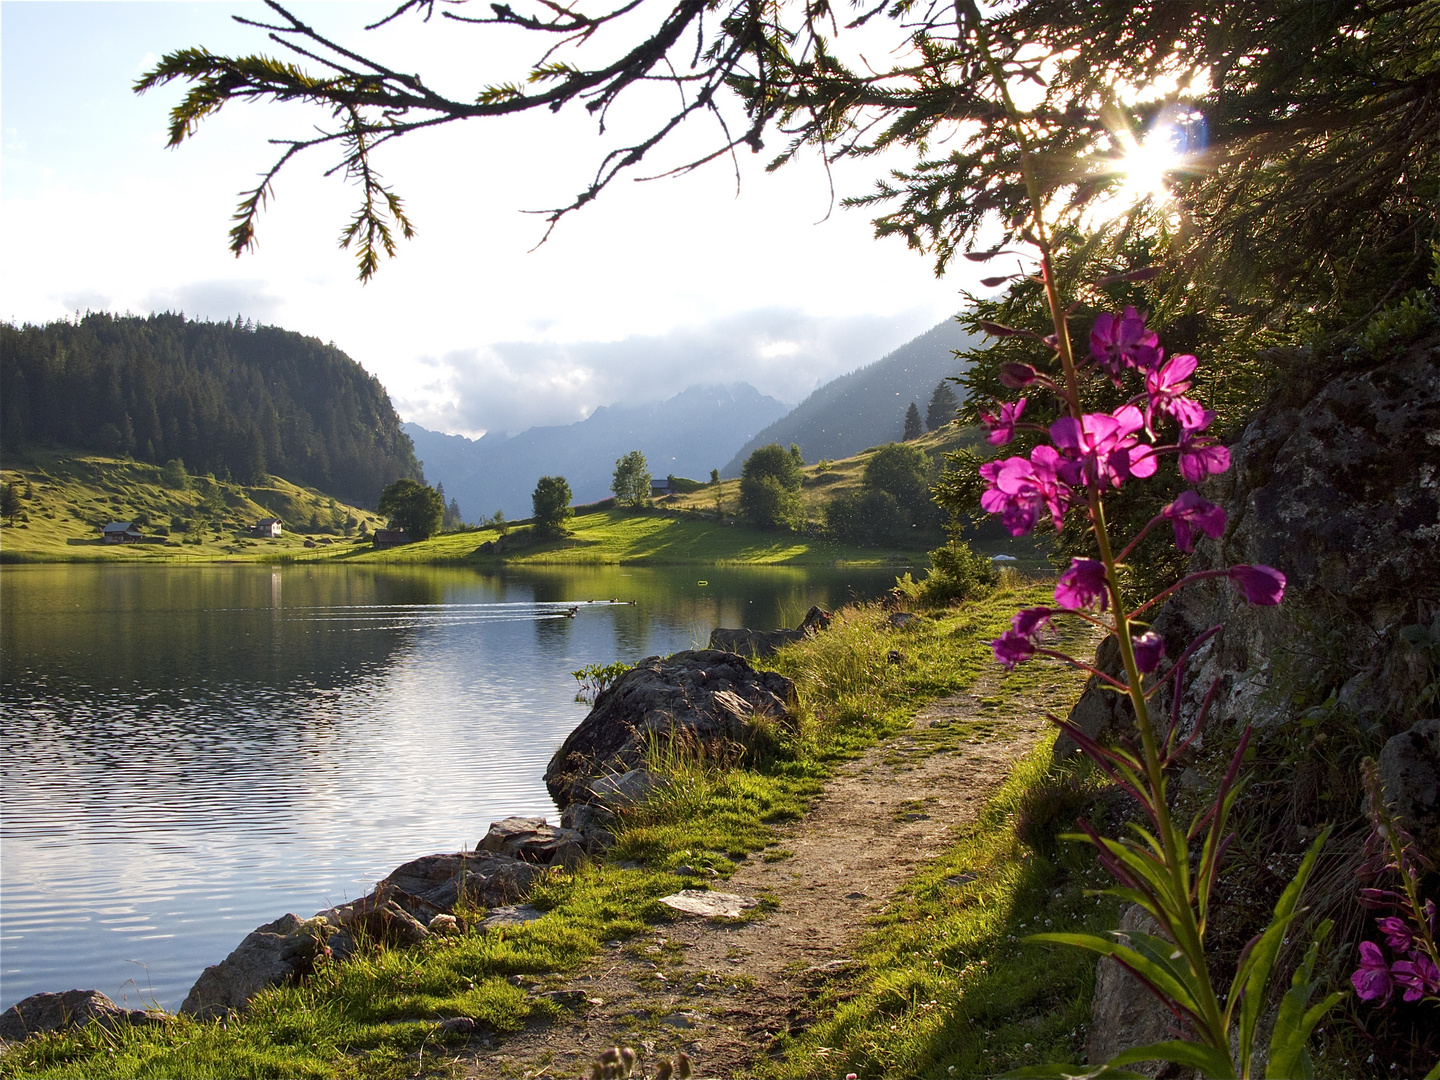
x: 1341, y: 492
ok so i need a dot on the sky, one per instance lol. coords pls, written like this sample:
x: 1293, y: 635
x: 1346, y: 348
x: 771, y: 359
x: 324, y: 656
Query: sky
x: 655, y: 287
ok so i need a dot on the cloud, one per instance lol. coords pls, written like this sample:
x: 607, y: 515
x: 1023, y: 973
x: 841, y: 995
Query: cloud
x: 217, y: 300
x: 783, y: 352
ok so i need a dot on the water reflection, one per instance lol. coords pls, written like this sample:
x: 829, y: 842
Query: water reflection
x: 191, y: 751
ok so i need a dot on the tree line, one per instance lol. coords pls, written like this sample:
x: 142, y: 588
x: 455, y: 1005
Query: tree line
x: 235, y: 399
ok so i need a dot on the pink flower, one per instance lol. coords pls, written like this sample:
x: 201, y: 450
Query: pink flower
x: 1189, y: 513
x: 1417, y: 974
x: 1002, y: 427
x: 1017, y: 376
x: 1165, y: 389
x: 1102, y: 447
x: 1200, y: 458
x: 1372, y: 979
x: 1397, y: 933
x: 1121, y: 341
x: 1262, y: 585
x: 1028, y: 621
x: 1012, y: 648
x: 1149, y: 651
x: 1020, y: 489
x: 1081, y: 585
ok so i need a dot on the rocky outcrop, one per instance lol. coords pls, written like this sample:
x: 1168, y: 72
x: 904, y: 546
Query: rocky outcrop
x: 1341, y: 492
x: 1124, y: 1013
x: 705, y: 703
x: 759, y: 643
x: 42, y: 1013
x: 534, y: 840
x: 1410, y: 778
x: 270, y: 955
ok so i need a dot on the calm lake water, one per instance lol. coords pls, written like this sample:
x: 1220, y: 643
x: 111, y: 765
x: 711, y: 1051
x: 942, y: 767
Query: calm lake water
x: 189, y: 752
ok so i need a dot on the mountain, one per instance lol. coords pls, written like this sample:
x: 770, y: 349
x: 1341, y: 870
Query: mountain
x: 241, y: 401
x: 866, y: 407
x: 688, y: 435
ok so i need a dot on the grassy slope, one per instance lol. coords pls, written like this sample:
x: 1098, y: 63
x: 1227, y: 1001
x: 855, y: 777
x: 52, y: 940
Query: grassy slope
x: 73, y: 495
x: 943, y: 970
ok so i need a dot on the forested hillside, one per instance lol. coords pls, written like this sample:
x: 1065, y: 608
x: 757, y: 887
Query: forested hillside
x: 238, y: 400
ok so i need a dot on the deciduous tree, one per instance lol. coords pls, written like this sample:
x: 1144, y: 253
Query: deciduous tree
x: 551, y: 503
x: 631, y: 483
x: 770, y: 487
x: 414, y: 507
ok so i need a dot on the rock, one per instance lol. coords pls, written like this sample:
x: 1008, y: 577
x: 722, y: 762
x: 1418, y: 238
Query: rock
x: 511, y: 915
x: 566, y: 999
x: 759, y: 643
x: 901, y: 619
x: 1410, y: 778
x: 446, y: 925
x: 1123, y: 1013
x: 593, y: 822
x: 268, y: 956
x: 383, y: 920
x: 711, y: 905
x: 703, y: 702
x: 682, y: 1019
x: 535, y: 841
x: 1338, y: 487
x: 461, y: 1024
x: 42, y: 1013
x: 434, y: 884
x: 626, y: 789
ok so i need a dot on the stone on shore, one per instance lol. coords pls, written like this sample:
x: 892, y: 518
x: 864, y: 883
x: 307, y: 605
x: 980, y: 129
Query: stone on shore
x: 534, y: 840
x: 759, y: 643
x: 270, y: 955
x: 39, y: 1014
x: 704, y: 703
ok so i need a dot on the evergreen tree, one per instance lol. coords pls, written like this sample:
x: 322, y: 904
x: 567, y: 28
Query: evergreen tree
x: 913, y: 430
x: 941, y: 409
x: 9, y: 502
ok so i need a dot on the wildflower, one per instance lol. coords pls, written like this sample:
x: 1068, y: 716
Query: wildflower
x: 1165, y: 389
x: 1002, y: 427
x: 1372, y: 979
x: 1200, y: 458
x: 1190, y: 512
x: 1101, y: 448
x: 1418, y: 975
x: 1020, y: 489
x: 1121, y: 341
x: 1012, y: 648
x: 1028, y: 621
x: 1149, y: 651
x: 1262, y: 585
x: 1397, y: 933
x: 1017, y: 376
x: 1081, y: 585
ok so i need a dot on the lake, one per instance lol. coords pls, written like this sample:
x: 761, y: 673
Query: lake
x: 189, y: 752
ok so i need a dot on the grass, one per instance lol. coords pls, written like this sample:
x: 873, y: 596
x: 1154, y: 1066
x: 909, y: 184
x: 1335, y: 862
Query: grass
x: 926, y: 968
x: 71, y: 496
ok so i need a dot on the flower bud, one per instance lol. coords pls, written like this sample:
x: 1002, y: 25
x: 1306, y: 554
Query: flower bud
x: 1016, y: 376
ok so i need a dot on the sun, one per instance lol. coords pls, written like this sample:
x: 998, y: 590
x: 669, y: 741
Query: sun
x: 1147, y: 167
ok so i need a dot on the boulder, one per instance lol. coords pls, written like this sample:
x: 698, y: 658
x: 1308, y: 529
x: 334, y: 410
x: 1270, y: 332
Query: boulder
x: 1410, y: 778
x: 1123, y: 1013
x: 759, y: 643
x: 270, y: 955
x: 1338, y: 487
x: 434, y: 884
x: 42, y: 1013
x: 703, y: 702
x: 534, y: 841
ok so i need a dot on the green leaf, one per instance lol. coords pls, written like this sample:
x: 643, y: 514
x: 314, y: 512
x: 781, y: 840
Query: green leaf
x: 1069, y: 1072
x: 1211, y: 1062
x: 1289, y: 1042
x: 1158, y: 975
x: 1248, y: 987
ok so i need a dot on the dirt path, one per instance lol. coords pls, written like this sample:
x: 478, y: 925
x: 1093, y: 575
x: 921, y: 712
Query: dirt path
x: 723, y: 992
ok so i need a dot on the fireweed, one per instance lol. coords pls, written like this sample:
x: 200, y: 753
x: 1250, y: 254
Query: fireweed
x: 1409, y: 928
x: 1087, y: 455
